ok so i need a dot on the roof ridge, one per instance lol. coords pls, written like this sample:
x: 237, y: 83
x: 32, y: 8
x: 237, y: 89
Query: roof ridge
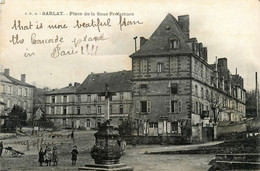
x: 158, y: 42
x: 16, y: 81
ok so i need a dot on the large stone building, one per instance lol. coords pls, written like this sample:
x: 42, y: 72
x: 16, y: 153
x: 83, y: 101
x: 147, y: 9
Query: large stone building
x: 15, y: 92
x: 171, y: 90
x: 176, y: 90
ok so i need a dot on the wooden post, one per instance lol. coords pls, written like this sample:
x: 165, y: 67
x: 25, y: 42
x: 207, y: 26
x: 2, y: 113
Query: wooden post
x: 256, y: 92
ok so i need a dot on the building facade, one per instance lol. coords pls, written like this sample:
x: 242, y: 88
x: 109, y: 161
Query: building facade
x: 93, y: 105
x: 61, y: 106
x: 175, y: 90
x: 16, y: 92
x: 84, y: 106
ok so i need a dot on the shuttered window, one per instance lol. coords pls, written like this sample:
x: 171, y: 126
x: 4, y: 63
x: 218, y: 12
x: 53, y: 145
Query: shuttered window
x: 149, y: 106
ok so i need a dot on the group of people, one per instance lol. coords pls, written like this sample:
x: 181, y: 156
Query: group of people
x: 49, y: 156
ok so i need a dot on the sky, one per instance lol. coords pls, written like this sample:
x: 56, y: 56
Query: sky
x: 227, y: 28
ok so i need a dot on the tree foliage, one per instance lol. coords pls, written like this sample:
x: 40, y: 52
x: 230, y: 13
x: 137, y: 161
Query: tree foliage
x: 251, y: 103
x: 126, y: 127
x: 17, y: 117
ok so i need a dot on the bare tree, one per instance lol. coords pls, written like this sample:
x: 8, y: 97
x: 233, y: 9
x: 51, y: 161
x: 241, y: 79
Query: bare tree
x: 218, y: 103
x: 184, y: 126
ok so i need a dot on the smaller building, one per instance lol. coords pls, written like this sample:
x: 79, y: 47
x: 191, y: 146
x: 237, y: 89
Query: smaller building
x: 16, y: 92
x: 61, y: 106
x: 93, y: 106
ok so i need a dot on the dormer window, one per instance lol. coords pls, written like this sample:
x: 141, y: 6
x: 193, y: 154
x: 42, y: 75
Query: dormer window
x: 174, y: 43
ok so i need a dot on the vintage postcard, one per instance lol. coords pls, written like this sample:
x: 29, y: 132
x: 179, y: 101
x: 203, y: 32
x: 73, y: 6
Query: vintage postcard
x: 129, y: 85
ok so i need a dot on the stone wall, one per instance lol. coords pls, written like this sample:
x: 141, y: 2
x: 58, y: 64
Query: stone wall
x: 146, y: 140
x: 238, y: 127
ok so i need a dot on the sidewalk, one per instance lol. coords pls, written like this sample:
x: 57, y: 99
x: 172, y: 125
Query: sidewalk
x: 158, y: 148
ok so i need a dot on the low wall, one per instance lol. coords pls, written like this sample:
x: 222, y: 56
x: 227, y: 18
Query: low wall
x: 146, y: 140
x: 4, y: 136
x: 232, y: 128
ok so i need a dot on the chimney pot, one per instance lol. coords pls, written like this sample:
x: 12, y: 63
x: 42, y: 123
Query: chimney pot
x: 7, y: 71
x: 70, y: 84
x: 23, y: 78
x: 184, y: 23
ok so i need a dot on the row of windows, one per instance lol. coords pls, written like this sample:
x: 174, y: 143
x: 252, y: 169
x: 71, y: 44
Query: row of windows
x: 173, y: 87
x: 10, y: 104
x: 175, y: 106
x: 8, y: 89
x: 198, y: 108
x: 64, y: 99
x: 98, y: 110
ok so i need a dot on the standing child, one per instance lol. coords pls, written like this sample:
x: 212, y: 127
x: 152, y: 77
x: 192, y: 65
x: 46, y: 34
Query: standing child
x: 41, y: 156
x: 74, y: 155
x: 48, y: 156
x: 55, y: 156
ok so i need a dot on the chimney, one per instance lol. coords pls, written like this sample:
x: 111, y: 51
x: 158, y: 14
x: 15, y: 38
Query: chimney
x: 76, y: 83
x: 222, y: 62
x: 184, y: 23
x: 70, y: 84
x: 142, y: 41
x: 23, y: 77
x: 205, y: 52
x: 7, y: 71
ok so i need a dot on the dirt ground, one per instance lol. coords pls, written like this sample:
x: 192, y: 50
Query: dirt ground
x: 84, y: 140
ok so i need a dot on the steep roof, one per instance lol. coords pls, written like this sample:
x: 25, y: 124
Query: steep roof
x: 64, y: 90
x: 9, y: 79
x: 96, y: 83
x: 158, y: 43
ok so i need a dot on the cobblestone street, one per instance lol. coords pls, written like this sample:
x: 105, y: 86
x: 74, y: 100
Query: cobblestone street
x: 84, y: 140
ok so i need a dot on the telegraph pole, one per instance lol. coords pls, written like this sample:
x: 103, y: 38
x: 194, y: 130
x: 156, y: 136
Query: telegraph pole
x: 256, y: 93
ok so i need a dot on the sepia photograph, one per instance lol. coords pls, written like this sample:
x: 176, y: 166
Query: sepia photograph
x: 129, y: 85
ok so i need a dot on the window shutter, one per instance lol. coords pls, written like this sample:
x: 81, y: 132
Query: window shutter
x: 168, y: 127
x: 55, y: 110
x: 149, y: 106
x: 180, y: 106
x: 175, y: 107
x: 137, y: 106
x: 62, y: 99
x: 67, y: 110
x: 168, y: 103
x: 145, y: 65
x: 50, y: 99
x: 170, y: 107
x: 61, y: 110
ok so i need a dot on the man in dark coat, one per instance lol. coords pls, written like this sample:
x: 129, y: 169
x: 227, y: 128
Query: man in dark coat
x: 74, y: 155
x: 41, y: 156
